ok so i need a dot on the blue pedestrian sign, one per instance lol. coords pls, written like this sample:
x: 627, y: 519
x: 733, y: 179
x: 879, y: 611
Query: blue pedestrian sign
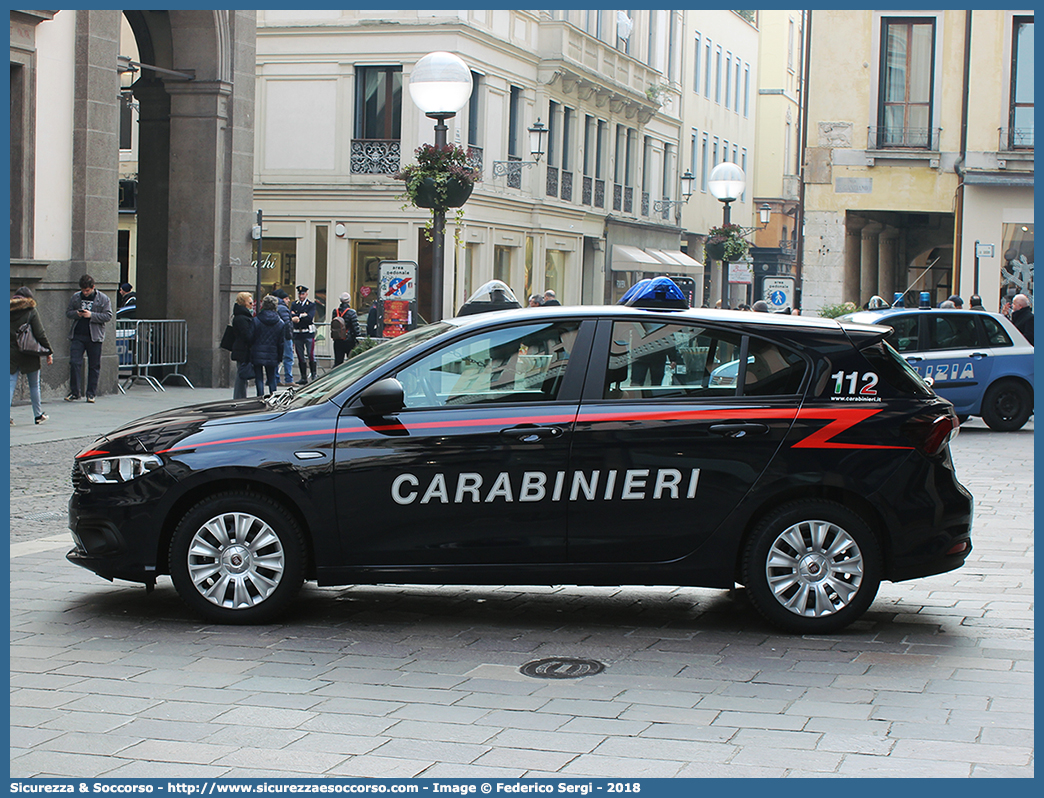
x: 778, y: 292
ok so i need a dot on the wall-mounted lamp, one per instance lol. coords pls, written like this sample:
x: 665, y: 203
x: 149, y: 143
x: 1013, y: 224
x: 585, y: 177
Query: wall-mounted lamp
x: 339, y: 230
x: 687, y: 180
x: 536, y: 149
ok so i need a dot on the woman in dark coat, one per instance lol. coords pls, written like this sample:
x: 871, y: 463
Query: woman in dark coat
x: 23, y: 309
x: 243, y: 330
x: 266, y: 348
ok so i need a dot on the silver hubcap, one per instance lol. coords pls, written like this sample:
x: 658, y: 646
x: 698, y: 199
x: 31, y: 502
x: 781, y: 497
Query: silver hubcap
x: 236, y: 560
x: 814, y: 568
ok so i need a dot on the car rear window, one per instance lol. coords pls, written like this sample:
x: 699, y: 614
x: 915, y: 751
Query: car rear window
x: 895, y: 371
x: 995, y: 334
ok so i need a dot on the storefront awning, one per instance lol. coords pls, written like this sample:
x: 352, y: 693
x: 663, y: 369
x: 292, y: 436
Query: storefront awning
x: 630, y: 259
x: 677, y: 262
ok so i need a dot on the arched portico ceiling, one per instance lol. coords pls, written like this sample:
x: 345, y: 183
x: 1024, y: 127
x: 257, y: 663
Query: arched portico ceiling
x: 199, y: 41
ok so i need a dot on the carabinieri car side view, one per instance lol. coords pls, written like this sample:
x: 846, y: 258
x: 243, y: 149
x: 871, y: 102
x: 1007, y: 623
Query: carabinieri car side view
x: 567, y: 445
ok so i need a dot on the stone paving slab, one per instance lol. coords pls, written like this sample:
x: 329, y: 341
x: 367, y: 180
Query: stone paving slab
x: 403, y: 680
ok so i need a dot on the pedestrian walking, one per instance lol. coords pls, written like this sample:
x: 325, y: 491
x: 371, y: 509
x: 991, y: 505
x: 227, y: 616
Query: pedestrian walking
x: 373, y: 320
x: 126, y: 298
x: 302, y: 314
x: 90, y: 310
x: 242, y: 335
x: 288, y: 345
x: 1022, y: 315
x: 344, y: 329
x: 23, y: 310
x: 266, y: 345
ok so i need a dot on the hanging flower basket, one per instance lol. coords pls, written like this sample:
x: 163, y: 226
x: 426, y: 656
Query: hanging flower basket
x: 715, y: 251
x: 726, y: 243
x: 442, y: 178
x: 451, y: 192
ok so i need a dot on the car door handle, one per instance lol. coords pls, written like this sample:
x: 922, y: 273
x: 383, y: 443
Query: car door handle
x: 529, y: 433
x: 739, y: 429
x: 979, y: 355
x: 914, y: 359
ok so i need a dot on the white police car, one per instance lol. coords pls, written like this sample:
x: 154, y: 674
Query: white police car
x: 977, y: 360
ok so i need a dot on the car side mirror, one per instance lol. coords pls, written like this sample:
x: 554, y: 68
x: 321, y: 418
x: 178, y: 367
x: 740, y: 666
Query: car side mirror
x: 384, y: 398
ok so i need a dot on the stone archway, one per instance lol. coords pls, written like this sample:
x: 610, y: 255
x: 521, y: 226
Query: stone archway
x: 195, y: 201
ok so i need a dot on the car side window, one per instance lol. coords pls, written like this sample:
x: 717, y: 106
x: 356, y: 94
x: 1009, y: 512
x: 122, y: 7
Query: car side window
x: 656, y: 360
x: 524, y: 363
x: 952, y: 331
x: 904, y: 337
x: 995, y: 334
x: 772, y: 370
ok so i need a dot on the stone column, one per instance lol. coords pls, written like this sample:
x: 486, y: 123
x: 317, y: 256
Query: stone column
x: 850, y: 290
x: 888, y: 245
x: 199, y: 225
x: 153, y: 197
x: 95, y: 171
x: 868, y: 262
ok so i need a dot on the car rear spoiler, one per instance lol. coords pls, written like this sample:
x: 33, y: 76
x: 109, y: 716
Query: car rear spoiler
x: 864, y: 335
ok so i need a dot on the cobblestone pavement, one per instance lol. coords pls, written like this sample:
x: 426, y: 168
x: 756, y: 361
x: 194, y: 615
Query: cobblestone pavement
x: 401, y: 681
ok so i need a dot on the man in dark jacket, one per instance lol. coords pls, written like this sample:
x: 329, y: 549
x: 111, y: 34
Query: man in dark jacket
x: 1022, y: 315
x: 302, y: 314
x: 90, y: 310
x: 266, y: 348
x: 352, y: 332
x: 243, y: 334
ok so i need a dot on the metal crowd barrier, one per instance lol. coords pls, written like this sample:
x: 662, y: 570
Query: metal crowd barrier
x: 144, y: 344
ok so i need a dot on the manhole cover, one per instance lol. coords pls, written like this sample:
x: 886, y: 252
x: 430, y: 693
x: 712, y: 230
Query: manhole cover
x: 47, y: 516
x: 561, y: 668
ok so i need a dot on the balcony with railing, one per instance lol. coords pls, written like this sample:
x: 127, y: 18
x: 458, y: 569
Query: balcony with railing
x: 375, y: 156
x: 903, y: 138
x: 1015, y: 138
x: 475, y: 158
x: 592, y: 68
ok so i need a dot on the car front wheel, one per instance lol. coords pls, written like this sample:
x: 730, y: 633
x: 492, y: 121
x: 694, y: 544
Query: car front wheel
x: 1006, y: 406
x: 237, y: 557
x: 812, y: 566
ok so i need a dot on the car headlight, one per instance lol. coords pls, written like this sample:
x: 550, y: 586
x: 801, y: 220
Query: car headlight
x: 122, y: 468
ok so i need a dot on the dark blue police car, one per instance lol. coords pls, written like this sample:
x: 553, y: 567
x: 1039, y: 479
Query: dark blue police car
x: 567, y: 445
x: 978, y: 360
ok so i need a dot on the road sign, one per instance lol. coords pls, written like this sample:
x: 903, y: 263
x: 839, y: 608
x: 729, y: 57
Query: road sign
x: 778, y: 292
x: 398, y: 279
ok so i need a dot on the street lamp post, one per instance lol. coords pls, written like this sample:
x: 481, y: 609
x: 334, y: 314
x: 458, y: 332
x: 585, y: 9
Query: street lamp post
x: 726, y: 183
x: 440, y: 85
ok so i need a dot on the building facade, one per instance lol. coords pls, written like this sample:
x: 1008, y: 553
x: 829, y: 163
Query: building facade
x: 599, y: 209
x: 919, y: 146
x: 719, y: 109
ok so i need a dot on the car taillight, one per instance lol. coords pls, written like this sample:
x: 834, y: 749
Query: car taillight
x: 931, y: 433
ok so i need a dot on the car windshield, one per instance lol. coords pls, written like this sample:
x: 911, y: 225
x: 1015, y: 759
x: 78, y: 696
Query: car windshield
x: 336, y: 380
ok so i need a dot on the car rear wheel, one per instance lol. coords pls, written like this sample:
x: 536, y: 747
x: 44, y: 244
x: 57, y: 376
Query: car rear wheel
x: 812, y: 566
x: 237, y: 557
x: 1006, y: 406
